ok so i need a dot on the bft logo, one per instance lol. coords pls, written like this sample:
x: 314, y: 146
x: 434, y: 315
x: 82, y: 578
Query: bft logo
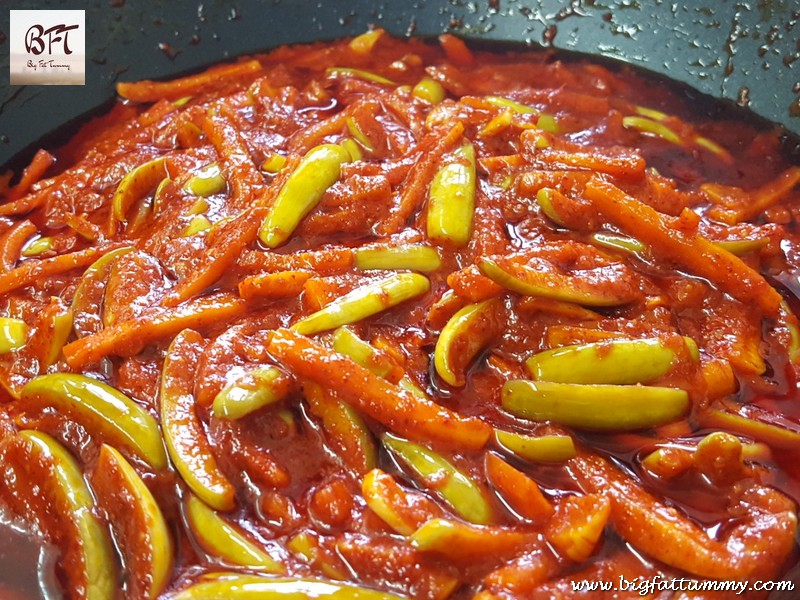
x: 47, y: 47
x: 35, y: 38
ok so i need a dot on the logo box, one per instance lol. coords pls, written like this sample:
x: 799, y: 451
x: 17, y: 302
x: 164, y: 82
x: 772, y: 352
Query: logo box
x: 48, y: 47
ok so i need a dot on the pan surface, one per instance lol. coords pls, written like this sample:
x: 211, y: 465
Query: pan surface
x: 745, y: 52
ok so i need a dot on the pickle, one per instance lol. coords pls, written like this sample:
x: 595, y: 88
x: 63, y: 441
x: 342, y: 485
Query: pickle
x: 222, y: 541
x: 40, y: 474
x: 645, y: 125
x: 414, y: 257
x: 618, y: 242
x: 452, y: 199
x: 344, y: 428
x: 264, y: 386
x: 140, y: 531
x: 348, y: 343
x: 234, y: 586
x: 429, y: 90
x: 544, y: 448
x: 611, y: 361
x: 740, y: 247
x: 391, y: 503
x: 302, y: 191
x: 60, y: 326
x: 88, y: 295
x: 13, y: 334
x: 136, y: 184
x: 364, y: 302
x: 364, y: 43
x: 185, y: 437
x: 518, y: 108
x: 353, y: 149
x: 273, y: 163
x: 360, y: 74
x: 443, y: 478
x: 358, y: 134
x: 544, y: 197
x: 206, y: 182
x: 457, y: 540
x: 463, y: 337
x: 38, y: 246
x: 595, y: 407
x: 529, y: 282
x: 102, y: 410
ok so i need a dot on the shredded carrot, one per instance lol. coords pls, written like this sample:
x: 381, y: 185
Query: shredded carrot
x: 129, y: 337
x: 693, y: 252
x: 150, y: 91
x: 12, y: 241
x: 242, y: 176
x: 456, y: 50
x: 419, y: 179
x: 29, y: 272
x: 225, y: 247
x: 323, y: 262
x: 757, y: 201
x: 398, y: 409
x: 42, y: 161
x: 283, y: 284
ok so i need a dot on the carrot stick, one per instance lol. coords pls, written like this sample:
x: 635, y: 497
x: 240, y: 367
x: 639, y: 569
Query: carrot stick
x: 11, y: 243
x: 456, y: 50
x: 24, y: 205
x: 671, y: 538
x: 150, y: 91
x: 31, y: 174
x: 627, y: 165
x: 283, y: 284
x: 30, y: 271
x: 322, y: 262
x: 401, y: 411
x: 225, y: 247
x: 242, y: 176
x: 520, y: 491
x: 129, y: 337
x: 691, y: 251
x: 758, y: 200
x: 419, y: 178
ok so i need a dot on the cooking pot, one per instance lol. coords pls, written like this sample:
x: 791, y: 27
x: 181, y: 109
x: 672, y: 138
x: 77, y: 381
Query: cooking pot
x: 743, y: 52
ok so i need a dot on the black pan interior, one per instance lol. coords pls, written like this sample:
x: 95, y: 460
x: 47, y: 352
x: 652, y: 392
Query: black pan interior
x: 742, y: 52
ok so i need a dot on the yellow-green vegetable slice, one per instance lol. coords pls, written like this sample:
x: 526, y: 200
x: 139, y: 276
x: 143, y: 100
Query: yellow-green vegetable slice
x: 461, y: 339
x: 136, y: 184
x: 451, y: 204
x: 414, y: 257
x: 38, y: 246
x: 237, y: 400
x: 595, y: 407
x: 543, y: 448
x: 319, y: 169
x: 95, y: 545
x: 221, y: 540
x: 206, y: 182
x: 13, y: 334
x: 442, y: 478
x: 615, y: 361
x: 364, y: 302
x: 102, y: 410
x: 429, y: 90
x: 360, y: 73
